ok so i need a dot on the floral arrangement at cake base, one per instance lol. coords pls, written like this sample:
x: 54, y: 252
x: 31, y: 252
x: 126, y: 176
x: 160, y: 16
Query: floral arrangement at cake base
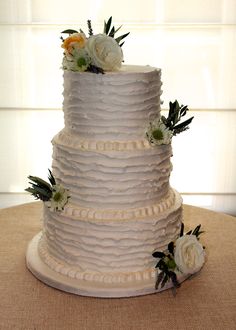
x: 185, y: 256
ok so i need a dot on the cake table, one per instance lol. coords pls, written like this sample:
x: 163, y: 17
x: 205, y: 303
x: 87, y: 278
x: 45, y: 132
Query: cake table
x: 207, y: 301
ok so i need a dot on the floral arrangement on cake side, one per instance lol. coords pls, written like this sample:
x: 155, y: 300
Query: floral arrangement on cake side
x: 96, y: 53
x: 185, y: 256
x: 54, y: 195
x: 161, y: 131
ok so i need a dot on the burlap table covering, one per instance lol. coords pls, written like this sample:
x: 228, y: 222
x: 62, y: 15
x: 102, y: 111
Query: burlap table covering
x: 208, y: 301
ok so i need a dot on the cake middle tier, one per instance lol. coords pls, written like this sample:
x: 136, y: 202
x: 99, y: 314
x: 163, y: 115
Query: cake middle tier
x: 111, y: 174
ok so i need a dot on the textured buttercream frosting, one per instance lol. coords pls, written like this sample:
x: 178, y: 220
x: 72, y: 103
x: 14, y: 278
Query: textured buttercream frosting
x: 87, y: 247
x: 121, y: 207
x: 111, y: 178
x: 114, y: 106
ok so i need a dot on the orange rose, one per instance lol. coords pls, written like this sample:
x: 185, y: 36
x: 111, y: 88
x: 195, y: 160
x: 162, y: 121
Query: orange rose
x: 76, y: 40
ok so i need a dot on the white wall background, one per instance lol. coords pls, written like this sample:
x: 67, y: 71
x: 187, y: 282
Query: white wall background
x: 193, y: 41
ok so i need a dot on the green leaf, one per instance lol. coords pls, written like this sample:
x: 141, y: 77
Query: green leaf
x: 176, y: 112
x: 95, y: 69
x: 104, y: 27
x: 166, y: 278
x: 108, y: 25
x: 162, y: 266
x: 196, y: 230
x: 118, y: 28
x: 171, y: 108
x: 164, y: 120
x: 158, y: 254
x: 122, y: 37
x: 200, y: 232
x: 90, y: 29
x: 70, y: 31
x: 184, y: 123
x: 42, y: 191
x: 159, y: 279
x: 51, y: 178
x: 39, y: 182
x: 174, y: 279
x: 39, y: 193
x: 183, y: 110
x: 158, y: 265
x: 112, y: 32
x: 31, y: 190
x: 182, y: 229
x: 171, y: 247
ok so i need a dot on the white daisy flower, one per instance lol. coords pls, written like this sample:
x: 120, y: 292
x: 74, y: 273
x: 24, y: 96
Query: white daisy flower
x: 158, y: 133
x: 77, y: 60
x: 59, y: 198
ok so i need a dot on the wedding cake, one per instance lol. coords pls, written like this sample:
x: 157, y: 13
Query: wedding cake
x: 110, y: 205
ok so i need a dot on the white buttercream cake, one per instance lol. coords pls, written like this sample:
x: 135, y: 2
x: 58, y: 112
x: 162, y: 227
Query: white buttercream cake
x: 112, y: 225
x: 121, y: 206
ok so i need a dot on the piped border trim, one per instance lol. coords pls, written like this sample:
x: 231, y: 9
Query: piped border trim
x: 174, y: 200
x: 65, y: 139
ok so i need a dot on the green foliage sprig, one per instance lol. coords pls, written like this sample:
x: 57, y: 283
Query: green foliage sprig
x: 166, y: 265
x: 111, y: 31
x: 176, y: 112
x: 95, y: 69
x: 197, y: 232
x: 108, y: 30
x: 69, y: 31
x: 90, y: 27
x: 54, y: 195
x: 41, y: 189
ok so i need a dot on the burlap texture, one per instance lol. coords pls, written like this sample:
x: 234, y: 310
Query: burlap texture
x: 208, y: 301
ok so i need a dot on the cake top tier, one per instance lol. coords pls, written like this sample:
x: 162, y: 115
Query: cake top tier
x: 106, y: 100
x: 115, y: 106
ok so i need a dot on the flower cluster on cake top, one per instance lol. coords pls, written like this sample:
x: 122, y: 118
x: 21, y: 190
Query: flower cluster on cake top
x: 96, y: 53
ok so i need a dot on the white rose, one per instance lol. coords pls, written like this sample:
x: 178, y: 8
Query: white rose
x: 104, y: 52
x: 189, y: 254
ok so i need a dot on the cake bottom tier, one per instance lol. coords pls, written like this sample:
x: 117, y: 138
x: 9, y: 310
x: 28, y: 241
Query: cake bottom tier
x: 84, y: 247
x: 85, y: 287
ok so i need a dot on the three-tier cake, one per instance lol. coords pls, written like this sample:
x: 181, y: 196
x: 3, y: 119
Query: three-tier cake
x: 110, y: 205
